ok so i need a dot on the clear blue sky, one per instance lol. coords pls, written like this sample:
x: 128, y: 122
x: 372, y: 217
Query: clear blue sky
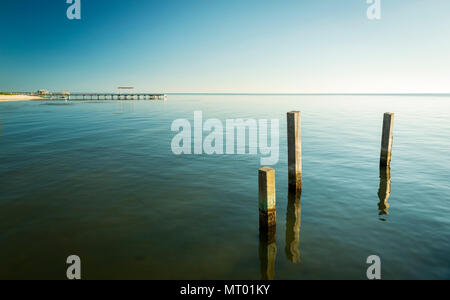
x: 226, y: 46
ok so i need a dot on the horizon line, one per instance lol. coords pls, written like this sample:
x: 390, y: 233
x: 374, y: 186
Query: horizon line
x: 313, y: 94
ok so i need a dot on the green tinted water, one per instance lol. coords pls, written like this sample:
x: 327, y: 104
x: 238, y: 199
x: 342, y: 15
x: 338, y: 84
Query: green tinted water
x: 99, y: 180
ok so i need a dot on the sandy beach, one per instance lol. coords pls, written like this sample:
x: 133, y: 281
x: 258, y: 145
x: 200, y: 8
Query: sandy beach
x: 18, y: 98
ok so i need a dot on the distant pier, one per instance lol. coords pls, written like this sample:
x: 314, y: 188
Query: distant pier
x: 97, y: 96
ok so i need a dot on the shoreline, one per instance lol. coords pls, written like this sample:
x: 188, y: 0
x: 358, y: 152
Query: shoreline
x: 8, y: 98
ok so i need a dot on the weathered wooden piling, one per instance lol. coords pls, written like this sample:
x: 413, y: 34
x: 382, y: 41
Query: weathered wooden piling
x: 293, y: 224
x: 387, y: 140
x: 267, y: 222
x: 294, y: 150
x: 267, y: 198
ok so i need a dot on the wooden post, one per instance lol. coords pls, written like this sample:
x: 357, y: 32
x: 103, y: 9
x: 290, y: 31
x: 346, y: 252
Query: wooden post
x: 267, y: 223
x: 267, y: 198
x: 294, y: 150
x: 387, y: 140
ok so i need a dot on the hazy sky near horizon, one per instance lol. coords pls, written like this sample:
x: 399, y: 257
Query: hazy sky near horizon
x: 289, y: 46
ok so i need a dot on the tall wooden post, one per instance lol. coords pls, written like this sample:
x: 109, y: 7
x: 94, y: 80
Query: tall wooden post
x: 267, y: 198
x: 294, y: 150
x: 387, y: 140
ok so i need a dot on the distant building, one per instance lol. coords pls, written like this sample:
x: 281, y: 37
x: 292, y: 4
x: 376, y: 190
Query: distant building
x: 42, y: 92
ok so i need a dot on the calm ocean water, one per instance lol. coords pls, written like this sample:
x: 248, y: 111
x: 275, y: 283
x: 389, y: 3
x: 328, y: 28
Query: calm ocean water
x: 99, y: 180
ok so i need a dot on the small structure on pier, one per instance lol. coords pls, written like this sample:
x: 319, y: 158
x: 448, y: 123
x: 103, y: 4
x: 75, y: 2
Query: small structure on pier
x: 42, y: 92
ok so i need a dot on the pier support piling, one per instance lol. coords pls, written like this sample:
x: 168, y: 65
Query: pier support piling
x: 267, y: 222
x: 387, y: 140
x: 294, y: 150
x: 267, y: 199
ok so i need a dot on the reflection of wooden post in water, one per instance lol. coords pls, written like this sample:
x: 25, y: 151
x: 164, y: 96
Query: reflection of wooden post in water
x: 384, y: 191
x: 267, y: 252
x: 267, y: 222
x: 293, y: 224
x: 294, y: 133
x: 387, y: 140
